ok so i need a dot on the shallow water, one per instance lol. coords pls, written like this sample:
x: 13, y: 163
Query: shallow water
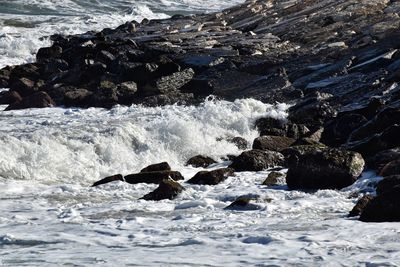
x: 49, y: 214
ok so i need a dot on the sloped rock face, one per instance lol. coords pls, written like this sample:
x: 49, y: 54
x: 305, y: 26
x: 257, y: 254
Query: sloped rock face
x: 323, y: 168
x: 322, y: 54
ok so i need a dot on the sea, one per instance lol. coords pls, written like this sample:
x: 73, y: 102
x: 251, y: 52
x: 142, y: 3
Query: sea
x: 50, y: 216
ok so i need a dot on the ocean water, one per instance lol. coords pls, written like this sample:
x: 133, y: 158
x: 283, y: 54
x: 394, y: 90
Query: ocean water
x: 50, y: 216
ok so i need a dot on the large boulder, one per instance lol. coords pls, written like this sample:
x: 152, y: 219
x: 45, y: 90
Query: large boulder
x: 383, y: 208
x: 257, y: 160
x: 200, y: 161
x: 37, y: 100
x: 163, y: 166
x: 322, y: 168
x: 392, y: 168
x: 168, y: 189
x: 211, y: 177
x: 273, y: 143
x: 9, y: 97
x: 388, y: 184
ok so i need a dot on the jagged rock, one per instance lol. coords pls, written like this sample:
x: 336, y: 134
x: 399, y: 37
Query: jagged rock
x: 383, y: 208
x: 163, y: 166
x: 9, y: 97
x: 273, y: 143
x: 109, y: 179
x: 388, y: 184
x: 257, y: 160
x: 392, y: 168
x: 200, y: 161
x: 154, y: 177
x: 322, y: 168
x: 211, y: 177
x: 37, y: 100
x: 360, y: 205
x: 273, y: 178
x: 168, y: 189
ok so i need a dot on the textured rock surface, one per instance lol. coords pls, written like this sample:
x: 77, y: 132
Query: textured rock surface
x: 168, y: 189
x: 257, y: 160
x: 211, y: 177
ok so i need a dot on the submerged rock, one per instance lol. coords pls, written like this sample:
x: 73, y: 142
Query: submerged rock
x: 211, y: 177
x: 245, y: 203
x: 383, y: 208
x: 257, y: 160
x: 360, y: 205
x: 168, y: 189
x: 153, y: 177
x: 273, y: 178
x: 37, y: 100
x: 322, y: 168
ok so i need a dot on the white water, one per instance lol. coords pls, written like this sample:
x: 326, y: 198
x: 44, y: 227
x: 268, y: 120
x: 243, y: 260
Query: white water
x: 49, y: 216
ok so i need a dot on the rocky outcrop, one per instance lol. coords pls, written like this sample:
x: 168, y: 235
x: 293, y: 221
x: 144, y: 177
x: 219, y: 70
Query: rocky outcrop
x: 322, y: 168
x: 167, y: 189
x: 211, y: 177
x: 257, y: 160
x: 200, y: 161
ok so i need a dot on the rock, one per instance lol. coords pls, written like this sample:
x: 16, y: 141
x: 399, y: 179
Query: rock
x: 163, y: 166
x: 239, y: 142
x: 383, y: 208
x: 78, y: 97
x: 168, y: 189
x: 322, y: 168
x: 211, y: 177
x: 46, y: 53
x: 273, y: 178
x: 273, y: 143
x: 270, y: 126
x: 257, y: 160
x: 200, y: 161
x: 360, y: 205
x: 117, y: 177
x: 23, y: 87
x: 126, y: 92
x: 388, y: 184
x: 154, y: 177
x: 9, y: 97
x: 245, y: 203
x: 38, y: 100
x: 381, y: 159
x: 392, y: 168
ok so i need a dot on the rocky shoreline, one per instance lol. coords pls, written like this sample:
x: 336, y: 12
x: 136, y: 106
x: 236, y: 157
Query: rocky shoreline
x: 336, y: 62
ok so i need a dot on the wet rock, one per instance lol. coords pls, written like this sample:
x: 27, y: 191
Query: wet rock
x: 46, y: 53
x: 126, y: 92
x: 381, y: 159
x: 270, y: 126
x: 273, y: 143
x: 388, y: 184
x: 38, y: 100
x: 117, y: 177
x: 168, y: 189
x: 392, y: 168
x: 78, y: 97
x: 154, y: 177
x: 322, y: 168
x: 245, y: 203
x: 360, y: 205
x: 23, y: 87
x: 9, y: 97
x: 239, y: 142
x: 163, y: 166
x: 273, y: 178
x: 257, y: 160
x: 200, y: 161
x: 383, y: 208
x: 211, y: 177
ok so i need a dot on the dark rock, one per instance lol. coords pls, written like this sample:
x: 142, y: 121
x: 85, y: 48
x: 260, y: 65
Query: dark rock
x: 257, y: 160
x: 153, y: 177
x: 37, y: 100
x: 211, y: 177
x: 392, y: 168
x: 200, y: 161
x: 117, y: 177
x: 379, y: 160
x: 77, y: 98
x: 322, y: 168
x: 388, y: 184
x: 360, y: 205
x: 23, y: 87
x: 239, y: 142
x: 46, y: 53
x: 163, y: 166
x: 244, y: 203
x: 126, y: 92
x: 383, y: 208
x: 270, y: 126
x: 273, y: 178
x: 168, y: 189
x: 273, y: 143
x: 9, y: 97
